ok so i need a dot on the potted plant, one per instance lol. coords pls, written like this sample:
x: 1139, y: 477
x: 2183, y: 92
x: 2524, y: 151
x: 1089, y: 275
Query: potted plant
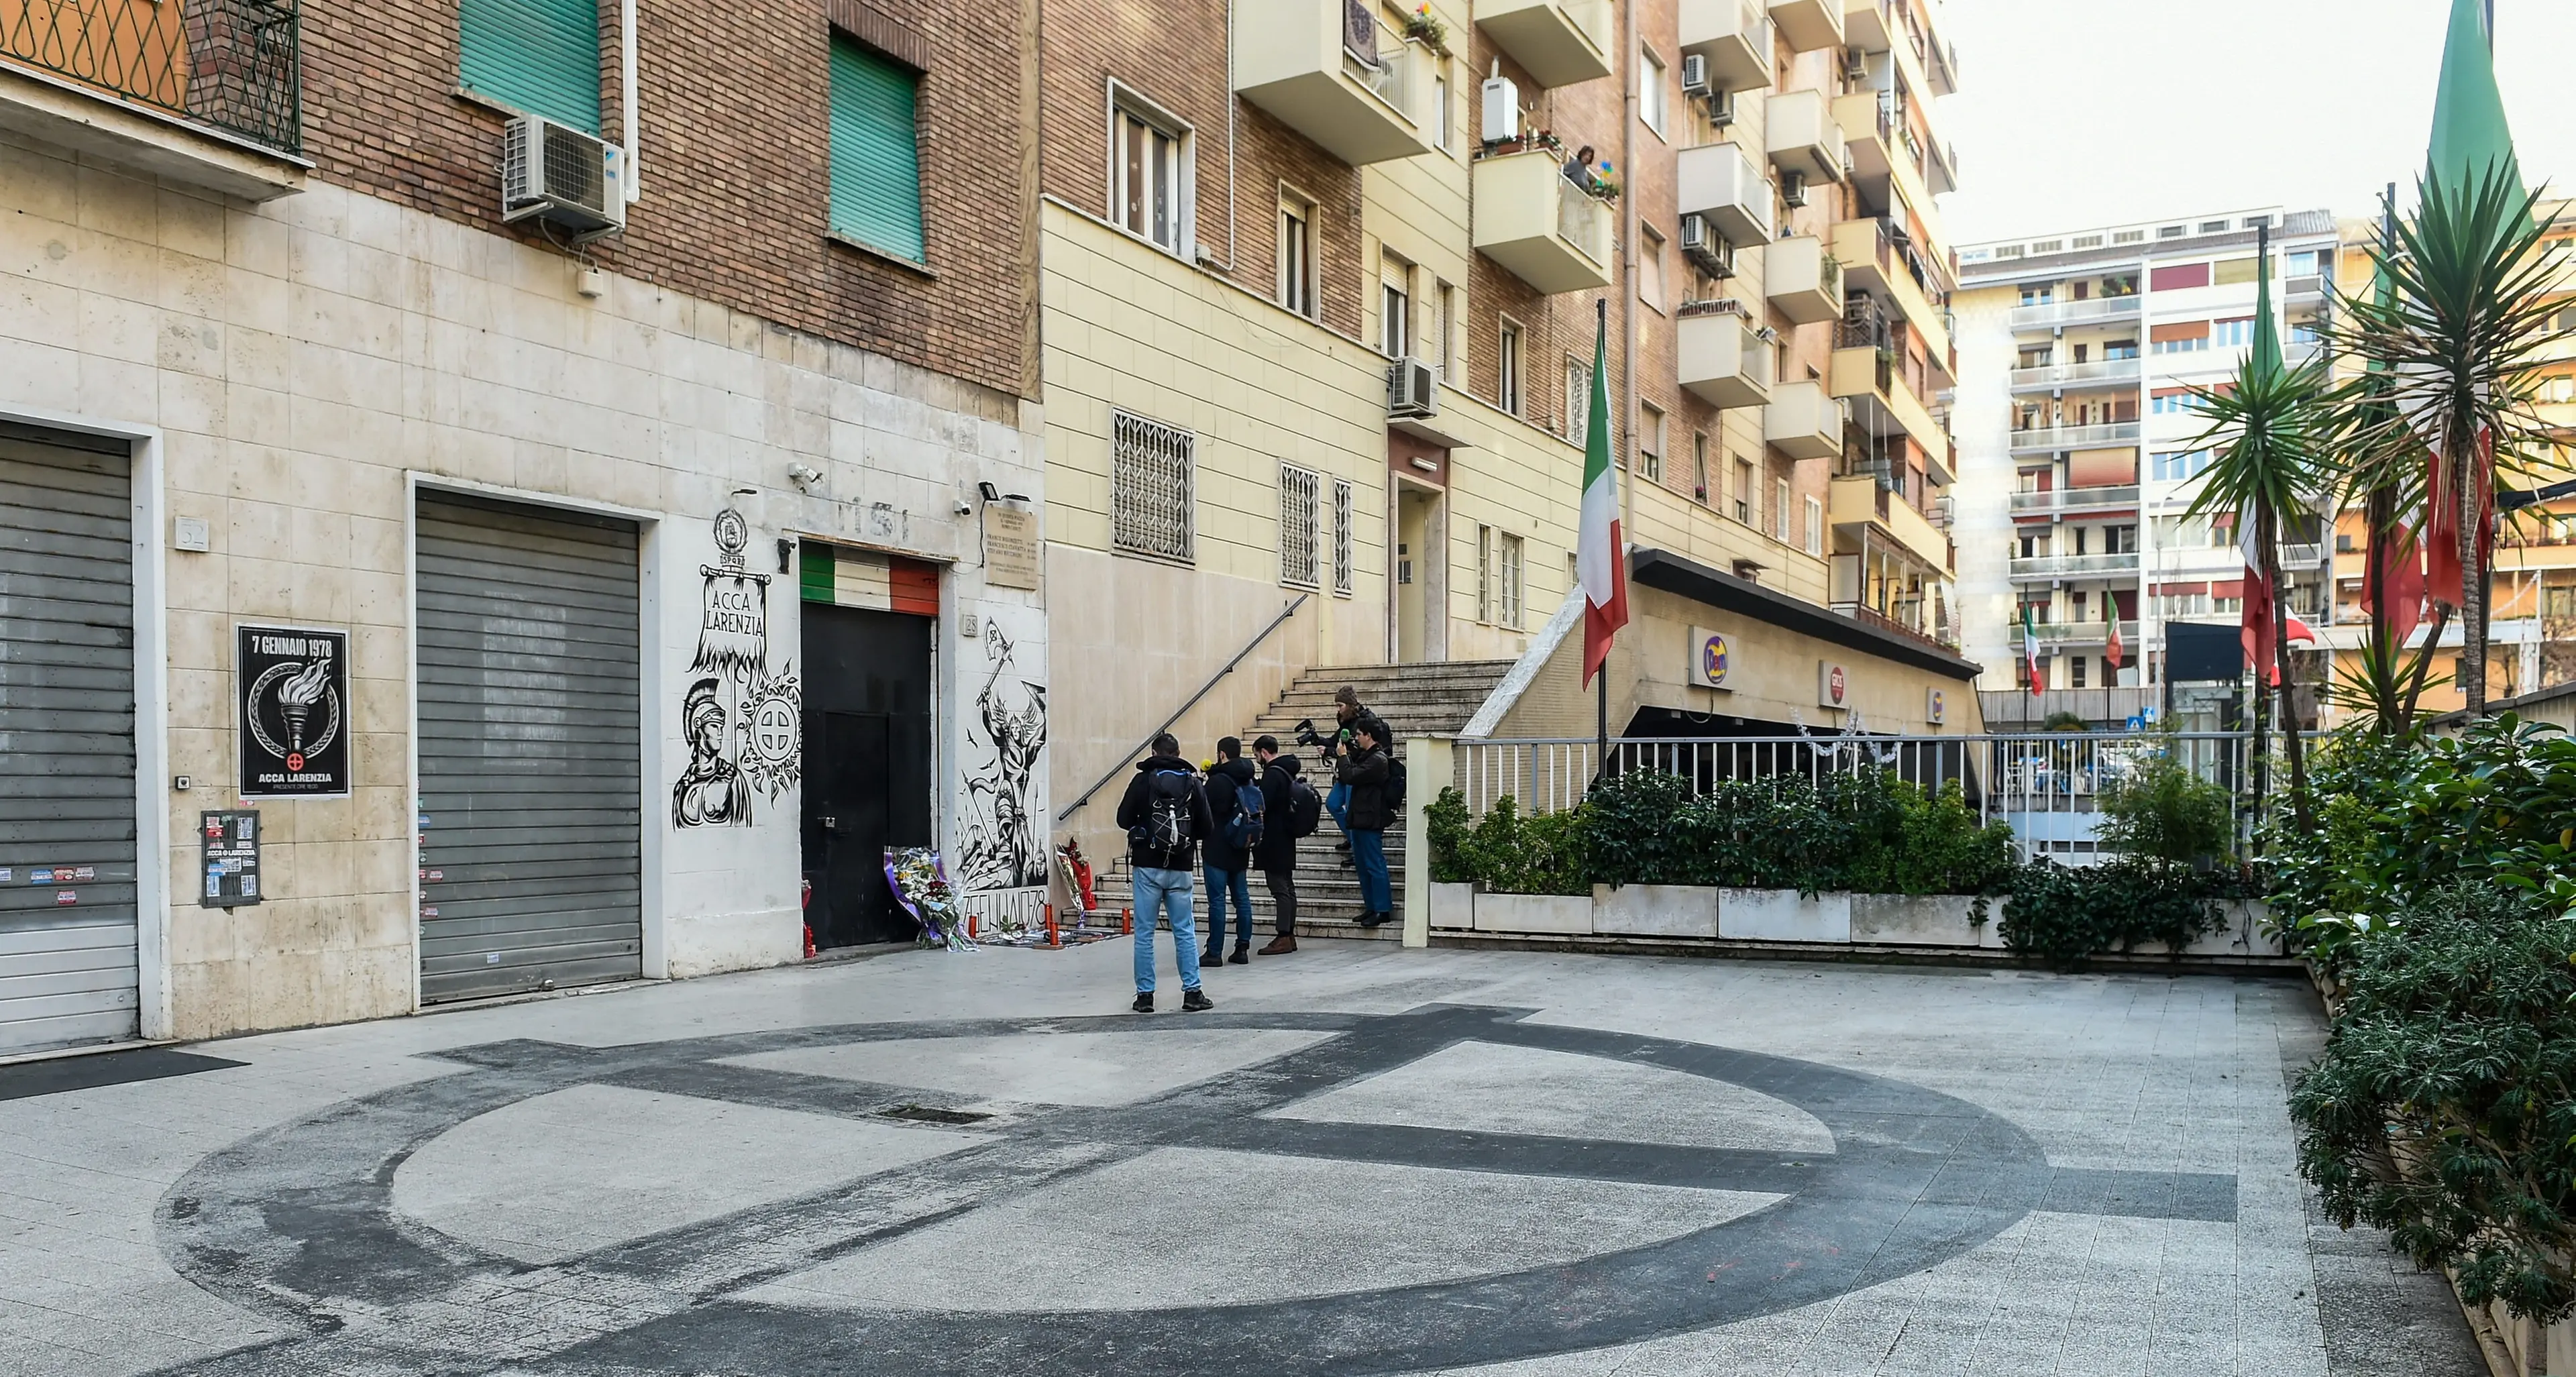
x: 1425, y: 28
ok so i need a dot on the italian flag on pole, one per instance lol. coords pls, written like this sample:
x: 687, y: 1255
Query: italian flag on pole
x: 2030, y: 648
x: 1600, y: 557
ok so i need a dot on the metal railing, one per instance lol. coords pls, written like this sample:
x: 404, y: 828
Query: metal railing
x: 231, y: 65
x: 1127, y: 761
x: 2083, y: 633
x: 2075, y: 437
x: 1583, y: 220
x: 2065, y: 566
x: 2075, y: 499
x: 1933, y: 637
x: 1383, y: 62
x: 2046, y: 785
x: 2068, y: 374
x: 2069, y: 312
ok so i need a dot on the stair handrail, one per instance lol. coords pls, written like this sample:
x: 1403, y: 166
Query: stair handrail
x: 1183, y: 710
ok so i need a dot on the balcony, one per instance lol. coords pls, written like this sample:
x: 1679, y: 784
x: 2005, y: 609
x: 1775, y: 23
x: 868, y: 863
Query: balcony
x: 2071, y: 566
x: 1718, y: 181
x: 1332, y: 72
x: 1858, y: 500
x: 2067, y: 501
x: 1800, y: 135
x: 1809, y: 24
x: 2048, y: 377
x: 202, y: 92
x: 1803, y: 283
x: 2302, y: 556
x: 2085, y: 633
x: 2047, y: 438
x: 1869, y: 132
x: 1873, y: 260
x: 1735, y: 37
x: 1724, y: 359
x: 1530, y: 218
x: 1942, y: 636
x: 1559, y: 42
x: 2048, y: 315
x: 1803, y: 421
x: 1882, y: 403
x: 1868, y: 27
x: 2306, y: 290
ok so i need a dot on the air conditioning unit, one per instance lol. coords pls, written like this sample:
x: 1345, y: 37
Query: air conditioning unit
x: 564, y: 176
x: 1502, y: 110
x: 1703, y: 245
x: 1412, y: 389
x: 1855, y: 65
x: 1721, y: 108
x: 1695, y: 74
x: 1793, y: 188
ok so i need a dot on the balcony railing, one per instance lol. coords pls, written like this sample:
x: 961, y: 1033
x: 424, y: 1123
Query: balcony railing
x: 1938, y: 638
x: 231, y: 65
x: 2073, y: 312
x: 2302, y: 556
x: 2072, y: 566
x: 2084, y: 633
x: 2075, y: 499
x: 2075, y: 437
x: 2071, y: 374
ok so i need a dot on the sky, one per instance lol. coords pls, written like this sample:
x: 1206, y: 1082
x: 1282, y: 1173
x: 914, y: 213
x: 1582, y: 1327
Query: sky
x: 2088, y: 112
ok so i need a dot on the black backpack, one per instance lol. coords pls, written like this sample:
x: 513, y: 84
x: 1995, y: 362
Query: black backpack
x: 1394, y: 784
x: 1166, y: 826
x: 1305, y: 809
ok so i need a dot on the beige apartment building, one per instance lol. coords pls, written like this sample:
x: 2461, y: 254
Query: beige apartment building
x: 1319, y: 283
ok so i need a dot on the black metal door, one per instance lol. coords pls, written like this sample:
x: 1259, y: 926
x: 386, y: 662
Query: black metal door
x: 866, y: 768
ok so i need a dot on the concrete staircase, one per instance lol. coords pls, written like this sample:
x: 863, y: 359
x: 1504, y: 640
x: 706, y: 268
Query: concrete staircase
x: 1416, y: 700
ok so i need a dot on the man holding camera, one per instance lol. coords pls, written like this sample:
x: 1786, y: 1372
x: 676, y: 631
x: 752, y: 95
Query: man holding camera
x: 1348, y: 713
x: 1362, y: 778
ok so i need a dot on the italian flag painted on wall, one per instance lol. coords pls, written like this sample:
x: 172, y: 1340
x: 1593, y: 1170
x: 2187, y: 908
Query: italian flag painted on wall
x: 1600, y: 556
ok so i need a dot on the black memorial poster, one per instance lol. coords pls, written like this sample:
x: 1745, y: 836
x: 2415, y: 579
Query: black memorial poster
x: 292, y: 687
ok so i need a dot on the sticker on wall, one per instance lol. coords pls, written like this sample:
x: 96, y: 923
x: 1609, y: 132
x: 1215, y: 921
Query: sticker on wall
x: 1710, y: 657
x: 40, y: 877
x: 291, y: 711
x: 66, y: 897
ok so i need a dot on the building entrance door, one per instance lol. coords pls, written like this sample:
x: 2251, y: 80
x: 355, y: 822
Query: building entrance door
x: 867, y: 765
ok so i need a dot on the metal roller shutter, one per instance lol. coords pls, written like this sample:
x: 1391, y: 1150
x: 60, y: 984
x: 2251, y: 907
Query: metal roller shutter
x: 67, y: 848
x: 530, y: 745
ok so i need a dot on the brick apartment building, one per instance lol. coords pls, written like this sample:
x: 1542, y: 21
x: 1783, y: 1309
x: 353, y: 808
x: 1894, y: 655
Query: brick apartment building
x: 560, y: 582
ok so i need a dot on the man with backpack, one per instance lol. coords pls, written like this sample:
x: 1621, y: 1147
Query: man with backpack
x: 1376, y: 792
x: 1165, y: 812
x: 1293, y: 812
x: 1236, y: 801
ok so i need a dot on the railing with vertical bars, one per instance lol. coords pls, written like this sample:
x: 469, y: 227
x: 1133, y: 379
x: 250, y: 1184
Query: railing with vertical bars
x: 230, y: 65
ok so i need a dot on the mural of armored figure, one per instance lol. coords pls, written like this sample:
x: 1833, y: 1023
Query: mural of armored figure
x: 711, y: 791
x: 1003, y: 847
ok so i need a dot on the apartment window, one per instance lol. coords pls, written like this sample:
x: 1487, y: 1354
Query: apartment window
x: 1152, y: 481
x: 1780, y: 510
x: 1395, y: 312
x: 1484, y: 573
x: 2232, y: 334
x: 1150, y: 197
x: 2075, y: 670
x: 2170, y: 404
x: 2175, y: 466
x: 2309, y: 262
x: 1345, y: 572
x: 2115, y: 350
x: 2123, y: 284
x: 2305, y: 331
x: 1297, y: 255
x: 1508, y: 577
x: 1507, y: 369
x: 1447, y: 119
x: 1301, y: 494
x: 2038, y: 294
x: 2119, y: 540
x: 1815, y: 527
x: 1651, y: 83
x: 1650, y: 443
x: 1650, y: 267
x: 2029, y: 547
x: 2184, y: 344
x: 540, y: 56
x: 876, y: 152
x: 1742, y: 493
x: 1578, y: 400
x: 1699, y: 466
x: 2129, y: 236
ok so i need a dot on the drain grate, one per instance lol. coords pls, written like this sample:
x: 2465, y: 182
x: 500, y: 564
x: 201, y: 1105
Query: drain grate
x: 925, y: 1114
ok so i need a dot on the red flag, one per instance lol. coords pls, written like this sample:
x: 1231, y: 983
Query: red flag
x: 2254, y: 625
x: 2295, y: 631
x: 2405, y: 559
x: 2444, y: 580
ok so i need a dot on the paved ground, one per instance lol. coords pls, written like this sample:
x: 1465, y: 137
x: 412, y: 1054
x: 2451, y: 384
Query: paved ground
x: 1365, y: 1161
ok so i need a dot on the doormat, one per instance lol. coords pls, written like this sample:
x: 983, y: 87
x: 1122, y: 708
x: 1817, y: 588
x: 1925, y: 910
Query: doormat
x: 29, y: 1079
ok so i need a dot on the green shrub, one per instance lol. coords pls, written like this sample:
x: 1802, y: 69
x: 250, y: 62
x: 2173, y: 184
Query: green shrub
x: 1537, y: 854
x: 2162, y: 809
x: 1445, y: 826
x: 2444, y: 1107
x: 2065, y: 916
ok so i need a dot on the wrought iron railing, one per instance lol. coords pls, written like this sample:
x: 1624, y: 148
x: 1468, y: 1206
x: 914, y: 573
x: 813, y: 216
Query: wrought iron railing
x: 231, y: 65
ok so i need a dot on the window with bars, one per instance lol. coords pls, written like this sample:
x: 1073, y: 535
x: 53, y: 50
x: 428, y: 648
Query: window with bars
x: 1301, y: 494
x: 1345, y: 573
x: 1152, y: 487
x: 1507, y: 558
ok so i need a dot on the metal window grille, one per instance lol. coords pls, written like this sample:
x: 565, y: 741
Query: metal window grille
x: 1345, y: 575
x: 1511, y: 580
x: 1300, y: 517
x: 1152, y: 487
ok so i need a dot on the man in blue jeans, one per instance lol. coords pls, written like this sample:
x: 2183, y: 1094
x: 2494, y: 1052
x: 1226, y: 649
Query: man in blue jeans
x: 1348, y: 712
x: 1364, y: 769
x: 1229, y: 862
x: 1165, y: 812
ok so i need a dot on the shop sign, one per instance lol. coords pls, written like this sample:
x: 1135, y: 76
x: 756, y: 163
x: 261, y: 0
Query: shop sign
x: 1936, y: 705
x: 1833, y: 684
x: 291, y: 711
x: 1710, y: 656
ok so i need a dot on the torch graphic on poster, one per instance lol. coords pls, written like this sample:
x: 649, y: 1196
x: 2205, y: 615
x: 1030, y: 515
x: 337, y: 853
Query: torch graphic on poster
x: 292, y: 711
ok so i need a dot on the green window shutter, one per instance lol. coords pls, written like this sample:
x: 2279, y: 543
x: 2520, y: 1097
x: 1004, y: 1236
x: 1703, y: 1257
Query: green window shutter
x: 541, y: 56
x: 876, y: 160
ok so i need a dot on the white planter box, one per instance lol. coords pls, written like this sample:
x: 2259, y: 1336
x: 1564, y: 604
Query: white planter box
x: 1557, y: 914
x: 1783, y: 915
x: 2240, y: 934
x: 1655, y: 911
x: 1916, y: 920
x: 1453, y: 906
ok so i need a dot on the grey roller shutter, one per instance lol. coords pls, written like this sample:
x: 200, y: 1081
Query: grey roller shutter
x: 67, y: 967
x: 531, y: 775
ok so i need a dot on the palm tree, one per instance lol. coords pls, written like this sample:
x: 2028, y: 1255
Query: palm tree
x: 2272, y: 432
x: 2456, y: 349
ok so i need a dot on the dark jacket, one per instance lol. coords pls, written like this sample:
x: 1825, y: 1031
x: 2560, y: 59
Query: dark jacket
x: 1278, y: 848
x: 1133, y: 808
x: 1365, y: 772
x: 1223, y: 779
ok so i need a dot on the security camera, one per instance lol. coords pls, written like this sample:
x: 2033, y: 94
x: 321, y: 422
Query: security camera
x: 962, y: 507
x: 804, y: 475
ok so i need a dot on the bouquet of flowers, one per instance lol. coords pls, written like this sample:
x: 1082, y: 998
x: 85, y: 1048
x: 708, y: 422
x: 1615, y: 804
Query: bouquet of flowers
x: 920, y: 885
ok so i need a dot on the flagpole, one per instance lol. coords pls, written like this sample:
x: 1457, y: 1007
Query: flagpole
x: 1601, y: 678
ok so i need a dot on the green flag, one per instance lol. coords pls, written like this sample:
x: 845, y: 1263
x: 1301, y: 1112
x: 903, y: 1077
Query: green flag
x: 2470, y: 139
x: 2267, y: 336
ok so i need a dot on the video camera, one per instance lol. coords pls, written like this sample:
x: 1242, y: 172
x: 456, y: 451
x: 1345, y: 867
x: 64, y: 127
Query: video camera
x: 1308, y: 736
